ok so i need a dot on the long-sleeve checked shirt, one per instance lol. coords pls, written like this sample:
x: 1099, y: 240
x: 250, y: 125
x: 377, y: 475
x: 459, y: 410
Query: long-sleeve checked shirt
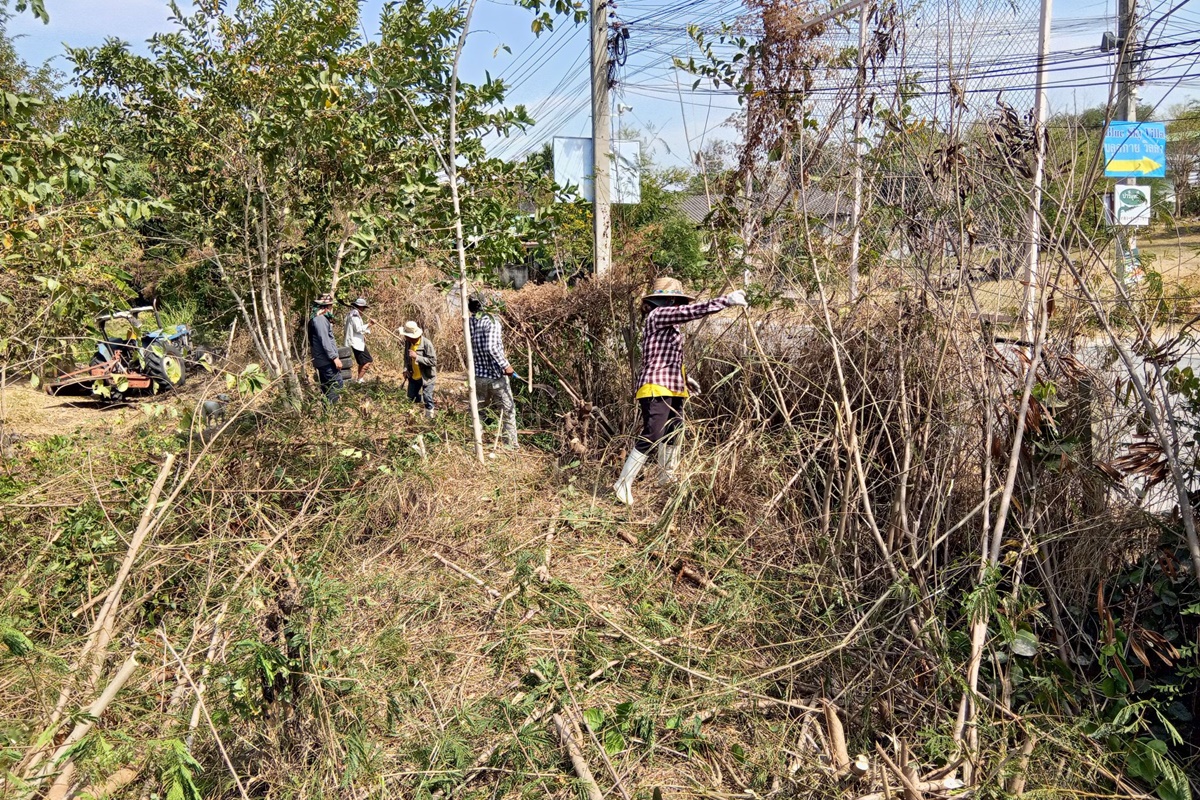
x: 487, y: 346
x: 662, y: 347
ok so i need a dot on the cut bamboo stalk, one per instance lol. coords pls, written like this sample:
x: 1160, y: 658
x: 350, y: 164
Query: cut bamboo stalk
x: 99, y: 706
x: 478, y: 766
x: 62, y: 782
x: 677, y: 566
x: 106, y: 620
x: 839, y: 756
x: 1016, y: 784
x: 943, y: 785
x: 911, y: 778
x: 578, y: 763
x: 913, y: 788
x: 113, y: 784
x: 96, y: 633
x: 187, y: 675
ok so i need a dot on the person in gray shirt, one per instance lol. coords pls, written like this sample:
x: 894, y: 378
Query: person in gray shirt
x: 324, y: 348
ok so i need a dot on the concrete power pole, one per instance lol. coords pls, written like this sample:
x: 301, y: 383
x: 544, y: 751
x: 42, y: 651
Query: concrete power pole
x: 1126, y: 90
x: 1127, y: 101
x: 601, y: 126
x: 1031, y: 303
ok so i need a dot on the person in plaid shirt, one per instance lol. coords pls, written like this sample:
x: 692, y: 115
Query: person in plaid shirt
x: 492, y: 369
x: 663, y: 384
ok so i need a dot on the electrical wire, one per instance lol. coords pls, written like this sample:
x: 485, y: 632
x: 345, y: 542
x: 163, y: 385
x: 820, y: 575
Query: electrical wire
x: 994, y: 61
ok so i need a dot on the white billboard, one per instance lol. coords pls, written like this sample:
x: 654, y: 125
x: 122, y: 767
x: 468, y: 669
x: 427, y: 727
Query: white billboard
x: 573, y: 166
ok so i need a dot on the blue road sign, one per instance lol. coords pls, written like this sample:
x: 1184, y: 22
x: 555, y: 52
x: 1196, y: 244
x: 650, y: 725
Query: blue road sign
x: 1135, y: 150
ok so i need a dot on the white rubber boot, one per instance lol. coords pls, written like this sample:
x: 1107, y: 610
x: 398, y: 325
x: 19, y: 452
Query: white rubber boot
x: 668, y: 463
x: 624, y: 485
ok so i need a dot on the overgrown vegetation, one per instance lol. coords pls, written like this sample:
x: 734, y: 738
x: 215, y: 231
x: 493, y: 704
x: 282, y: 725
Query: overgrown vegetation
x: 915, y: 550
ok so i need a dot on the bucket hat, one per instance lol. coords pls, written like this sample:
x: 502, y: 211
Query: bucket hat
x: 411, y: 330
x: 324, y: 300
x: 668, y: 287
x: 360, y: 303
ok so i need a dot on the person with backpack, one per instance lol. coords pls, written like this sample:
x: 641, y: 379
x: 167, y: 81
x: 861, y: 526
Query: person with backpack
x: 324, y: 348
x: 663, y: 385
x: 420, y: 365
x: 356, y: 336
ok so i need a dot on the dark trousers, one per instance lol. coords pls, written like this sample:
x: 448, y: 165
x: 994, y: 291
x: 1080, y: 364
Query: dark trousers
x: 661, y: 420
x: 330, y: 378
x: 423, y: 389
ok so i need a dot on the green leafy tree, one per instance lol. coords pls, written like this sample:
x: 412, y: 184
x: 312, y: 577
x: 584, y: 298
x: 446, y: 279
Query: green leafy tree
x: 1183, y: 154
x: 293, y: 151
x: 675, y: 243
x: 64, y: 214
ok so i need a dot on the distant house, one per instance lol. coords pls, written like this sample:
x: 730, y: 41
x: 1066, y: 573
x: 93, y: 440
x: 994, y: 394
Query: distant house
x: 696, y: 207
x: 831, y: 209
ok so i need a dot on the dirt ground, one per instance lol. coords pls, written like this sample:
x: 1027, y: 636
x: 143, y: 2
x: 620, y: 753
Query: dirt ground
x: 1174, y: 253
x: 31, y: 413
x: 27, y: 413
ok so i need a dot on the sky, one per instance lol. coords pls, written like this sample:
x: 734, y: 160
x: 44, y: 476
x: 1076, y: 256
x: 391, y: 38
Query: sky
x: 549, y: 74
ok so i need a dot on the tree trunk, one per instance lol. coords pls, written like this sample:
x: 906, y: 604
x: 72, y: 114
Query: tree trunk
x: 459, y: 243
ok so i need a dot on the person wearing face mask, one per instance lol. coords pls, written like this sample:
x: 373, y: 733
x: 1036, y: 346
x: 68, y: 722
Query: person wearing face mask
x: 324, y: 348
x: 662, y: 384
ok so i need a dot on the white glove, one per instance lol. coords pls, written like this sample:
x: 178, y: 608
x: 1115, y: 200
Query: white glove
x: 737, y: 298
x: 693, y: 386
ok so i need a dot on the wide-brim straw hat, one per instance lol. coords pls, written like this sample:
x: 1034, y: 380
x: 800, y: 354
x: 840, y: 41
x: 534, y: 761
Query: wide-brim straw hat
x: 411, y: 330
x: 668, y: 287
x: 325, y: 300
x: 360, y: 303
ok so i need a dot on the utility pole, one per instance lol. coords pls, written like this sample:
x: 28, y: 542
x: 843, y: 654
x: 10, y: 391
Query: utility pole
x: 1127, y: 101
x: 601, y: 126
x: 856, y: 207
x: 1031, y: 304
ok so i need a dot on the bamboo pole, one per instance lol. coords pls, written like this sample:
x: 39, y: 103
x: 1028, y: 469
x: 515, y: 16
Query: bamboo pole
x: 578, y: 763
x: 64, y: 779
x: 102, y: 629
x: 106, y: 619
x: 459, y: 238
